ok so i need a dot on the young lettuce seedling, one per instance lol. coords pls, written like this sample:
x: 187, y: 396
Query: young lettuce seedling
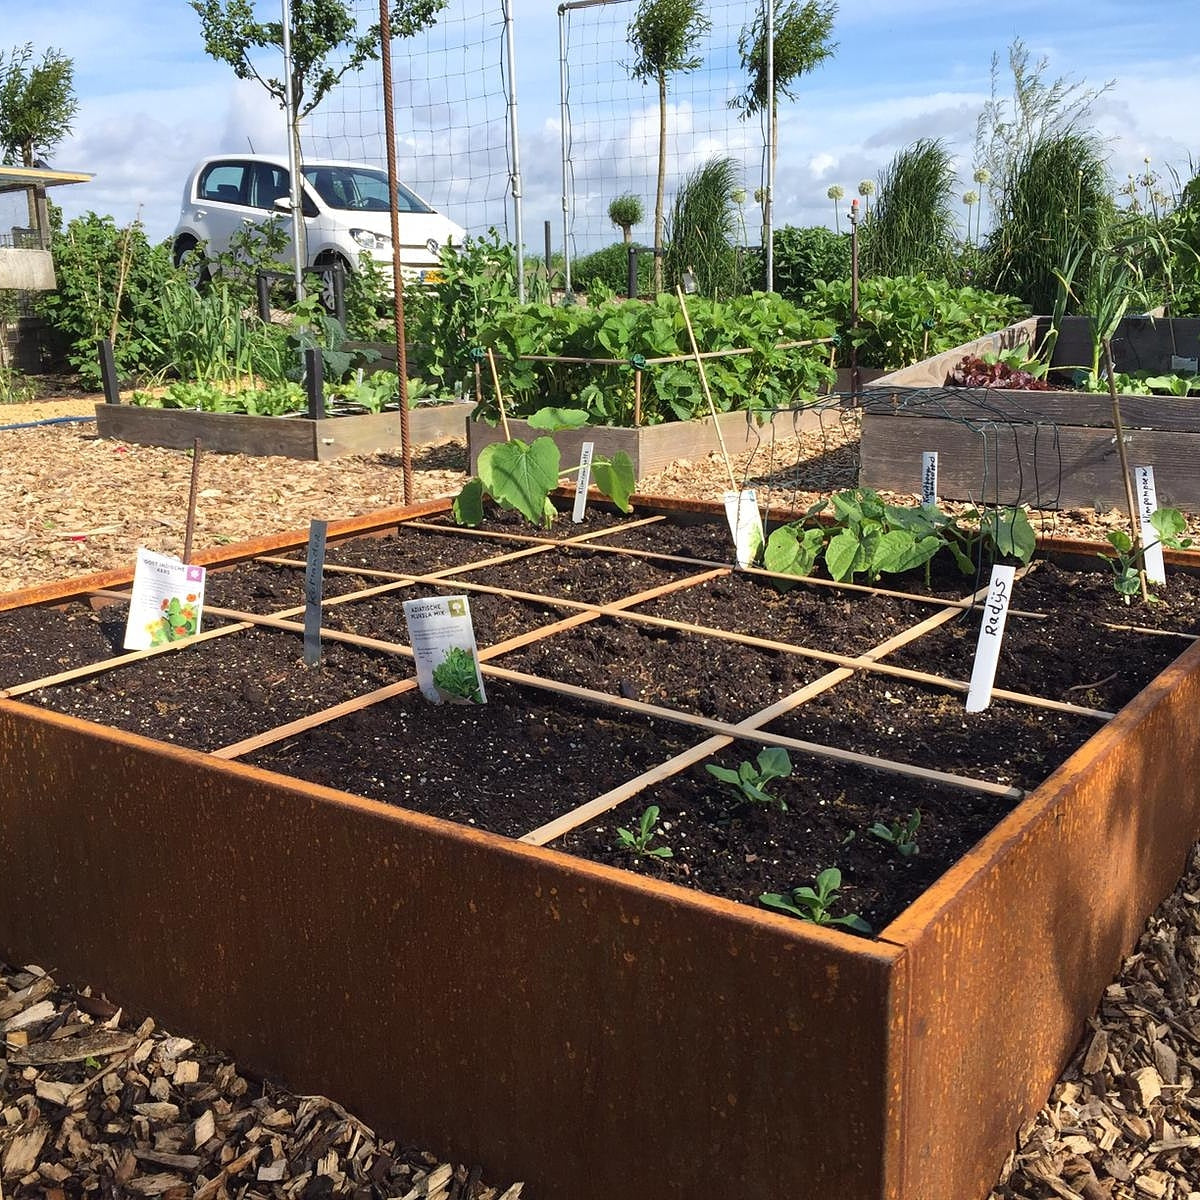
x: 749, y: 781
x: 639, y: 842
x: 901, y: 834
x: 809, y: 904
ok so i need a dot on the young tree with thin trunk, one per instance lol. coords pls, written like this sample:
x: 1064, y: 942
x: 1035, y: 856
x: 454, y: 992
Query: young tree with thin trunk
x: 801, y: 41
x: 37, y: 104
x: 318, y: 28
x: 664, y: 35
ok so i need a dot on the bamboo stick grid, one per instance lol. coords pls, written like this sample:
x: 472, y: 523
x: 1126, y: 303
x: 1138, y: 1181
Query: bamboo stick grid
x: 513, y: 548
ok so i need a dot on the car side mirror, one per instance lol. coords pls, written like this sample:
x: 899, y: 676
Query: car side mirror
x: 283, y: 204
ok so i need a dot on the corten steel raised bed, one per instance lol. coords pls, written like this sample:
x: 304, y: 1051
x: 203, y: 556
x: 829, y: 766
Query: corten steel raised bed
x: 651, y: 448
x: 1052, y: 449
x: 600, y: 1035
x: 290, y: 437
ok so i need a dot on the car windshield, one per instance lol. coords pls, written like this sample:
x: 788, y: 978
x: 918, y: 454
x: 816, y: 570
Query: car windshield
x: 360, y: 189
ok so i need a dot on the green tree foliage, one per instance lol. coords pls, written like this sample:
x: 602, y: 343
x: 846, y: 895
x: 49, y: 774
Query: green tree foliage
x: 801, y: 44
x: 664, y: 35
x: 913, y: 226
x: 37, y: 103
x: 625, y: 212
x: 318, y: 28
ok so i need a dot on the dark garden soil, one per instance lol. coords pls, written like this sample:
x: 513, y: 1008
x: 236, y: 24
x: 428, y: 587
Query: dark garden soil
x: 532, y: 754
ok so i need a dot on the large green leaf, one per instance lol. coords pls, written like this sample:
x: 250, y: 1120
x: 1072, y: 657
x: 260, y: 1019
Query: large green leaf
x: 521, y: 476
x: 467, y: 506
x: 551, y: 420
x: 791, y: 551
x: 615, y: 478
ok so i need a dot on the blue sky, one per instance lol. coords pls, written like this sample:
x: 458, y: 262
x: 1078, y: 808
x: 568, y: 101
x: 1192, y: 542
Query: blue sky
x: 151, y: 102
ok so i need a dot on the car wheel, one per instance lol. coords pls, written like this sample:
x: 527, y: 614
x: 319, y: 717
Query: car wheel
x: 195, y: 266
x: 326, y: 286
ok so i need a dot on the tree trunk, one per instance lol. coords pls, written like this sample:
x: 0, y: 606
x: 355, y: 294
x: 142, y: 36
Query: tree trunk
x: 662, y: 183
x: 627, y: 233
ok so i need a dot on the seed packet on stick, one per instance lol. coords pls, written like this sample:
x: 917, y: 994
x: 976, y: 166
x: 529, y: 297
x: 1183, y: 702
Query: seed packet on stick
x: 165, y: 603
x: 443, y: 642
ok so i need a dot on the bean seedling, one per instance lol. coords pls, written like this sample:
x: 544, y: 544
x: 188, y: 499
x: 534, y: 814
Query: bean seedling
x: 639, y: 842
x: 1169, y: 524
x: 901, y: 834
x: 809, y: 904
x: 749, y: 781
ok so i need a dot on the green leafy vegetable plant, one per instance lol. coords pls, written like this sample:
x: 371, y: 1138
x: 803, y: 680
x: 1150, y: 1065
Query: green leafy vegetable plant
x: 521, y: 475
x: 901, y: 834
x: 816, y: 904
x: 1127, y: 562
x: 456, y: 675
x: 638, y: 841
x: 749, y: 781
x: 864, y: 536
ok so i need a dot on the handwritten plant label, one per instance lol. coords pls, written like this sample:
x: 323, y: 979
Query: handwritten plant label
x: 443, y: 642
x: 745, y: 524
x: 582, y: 481
x: 314, y: 586
x: 1147, y: 502
x: 165, y: 602
x: 991, y: 634
x: 929, y: 480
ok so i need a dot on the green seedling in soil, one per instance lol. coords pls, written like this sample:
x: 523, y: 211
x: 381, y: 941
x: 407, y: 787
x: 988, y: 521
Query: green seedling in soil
x: 521, y: 475
x: 639, y: 842
x: 901, y: 834
x: 749, y: 781
x: 815, y: 904
x: 1127, y: 562
x: 456, y: 675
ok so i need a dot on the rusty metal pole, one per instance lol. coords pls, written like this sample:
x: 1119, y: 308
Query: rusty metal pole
x: 389, y: 124
x: 193, y: 495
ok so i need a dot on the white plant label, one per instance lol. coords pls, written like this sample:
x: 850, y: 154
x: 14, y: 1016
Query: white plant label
x: 443, y: 643
x: 991, y: 634
x: 929, y: 482
x: 583, y: 480
x: 165, y: 603
x: 1147, y: 502
x: 745, y: 524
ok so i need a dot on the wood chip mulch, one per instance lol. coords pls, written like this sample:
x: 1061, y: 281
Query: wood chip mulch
x: 1123, y: 1123
x: 95, y: 1104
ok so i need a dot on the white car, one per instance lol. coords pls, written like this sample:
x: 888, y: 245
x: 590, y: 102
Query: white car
x: 346, y: 211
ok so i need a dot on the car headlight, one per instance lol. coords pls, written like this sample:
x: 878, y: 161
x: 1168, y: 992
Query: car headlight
x: 370, y: 240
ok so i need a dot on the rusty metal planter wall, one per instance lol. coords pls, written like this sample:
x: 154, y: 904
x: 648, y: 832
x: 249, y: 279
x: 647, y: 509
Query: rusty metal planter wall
x: 599, y: 1035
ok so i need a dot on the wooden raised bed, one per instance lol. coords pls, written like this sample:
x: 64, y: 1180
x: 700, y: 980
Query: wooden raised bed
x: 654, y: 447
x: 600, y: 1035
x: 290, y: 437
x: 1051, y: 449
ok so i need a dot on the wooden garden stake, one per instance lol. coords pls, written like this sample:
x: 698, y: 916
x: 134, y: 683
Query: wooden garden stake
x: 712, y: 408
x: 1135, y: 531
x: 193, y: 492
x: 499, y: 395
x: 637, y: 397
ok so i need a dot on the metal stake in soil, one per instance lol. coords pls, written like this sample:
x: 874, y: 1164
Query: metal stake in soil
x: 193, y: 492
x: 389, y: 122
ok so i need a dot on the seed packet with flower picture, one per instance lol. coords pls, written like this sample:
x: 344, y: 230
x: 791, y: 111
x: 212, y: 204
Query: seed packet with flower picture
x: 165, y: 603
